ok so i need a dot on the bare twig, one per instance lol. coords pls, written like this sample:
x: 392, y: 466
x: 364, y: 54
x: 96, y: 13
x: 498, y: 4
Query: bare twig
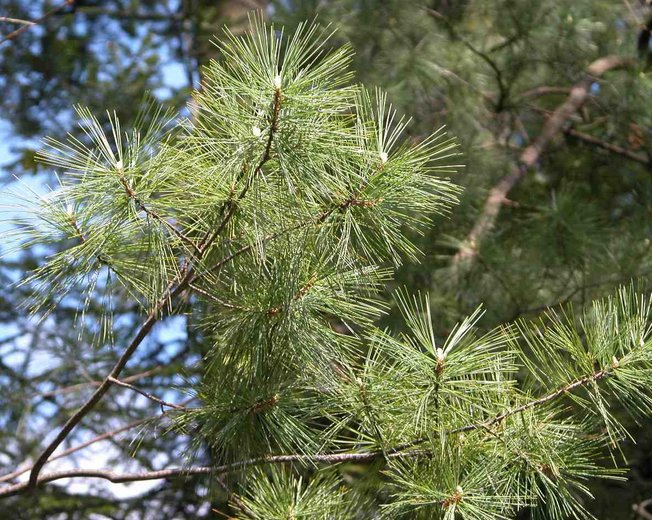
x: 641, y: 509
x: 149, y: 396
x: 78, y: 447
x: 98, y: 438
x: 587, y: 138
x: 37, y: 21
x: 530, y: 156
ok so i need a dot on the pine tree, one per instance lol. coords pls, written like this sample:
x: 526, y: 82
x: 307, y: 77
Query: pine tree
x: 274, y: 216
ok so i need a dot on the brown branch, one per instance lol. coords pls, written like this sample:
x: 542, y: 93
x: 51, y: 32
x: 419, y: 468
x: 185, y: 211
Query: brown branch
x: 149, y: 396
x: 587, y: 138
x: 530, y: 156
x: 98, y: 438
x: 78, y: 447
x: 596, y: 376
x: 543, y: 91
x: 37, y: 21
x: 115, y: 477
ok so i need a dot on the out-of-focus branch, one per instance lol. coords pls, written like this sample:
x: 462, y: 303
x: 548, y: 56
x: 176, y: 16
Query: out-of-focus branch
x: 107, y: 435
x: 531, y: 154
x: 503, y: 89
x: 641, y: 509
x: 32, y: 23
x: 543, y: 90
x: 587, y: 138
x: 15, y: 20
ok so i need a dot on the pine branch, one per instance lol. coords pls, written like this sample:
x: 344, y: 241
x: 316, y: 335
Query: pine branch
x: 185, y: 278
x: 596, y: 376
x: 117, y: 477
x: 131, y: 194
x: 403, y: 450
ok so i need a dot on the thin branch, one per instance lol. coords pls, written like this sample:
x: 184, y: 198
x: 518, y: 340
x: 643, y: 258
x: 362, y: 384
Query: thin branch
x: 543, y: 91
x: 115, y: 477
x: 596, y: 376
x: 530, y: 156
x: 37, y: 21
x: 149, y: 396
x: 78, y: 447
x: 128, y: 15
x: 587, y: 138
x: 503, y: 89
x: 98, y: 438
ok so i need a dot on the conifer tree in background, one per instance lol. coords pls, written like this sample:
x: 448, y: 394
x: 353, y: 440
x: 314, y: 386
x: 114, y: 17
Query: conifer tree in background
x: 273, y: 217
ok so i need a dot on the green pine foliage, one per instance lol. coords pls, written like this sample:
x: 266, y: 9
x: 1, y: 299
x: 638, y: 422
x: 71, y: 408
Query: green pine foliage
x: 277, y: 212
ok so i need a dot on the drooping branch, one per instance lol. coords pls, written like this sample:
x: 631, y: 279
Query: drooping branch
x: 532, y: 153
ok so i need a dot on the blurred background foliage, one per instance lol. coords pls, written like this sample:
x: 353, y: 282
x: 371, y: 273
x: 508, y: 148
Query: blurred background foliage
x: 493, y: 71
